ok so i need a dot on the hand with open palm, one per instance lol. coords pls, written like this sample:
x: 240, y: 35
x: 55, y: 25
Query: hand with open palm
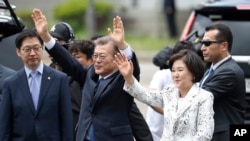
x: 41, y: 24
x: 125, y: 67
x: 118, y: 33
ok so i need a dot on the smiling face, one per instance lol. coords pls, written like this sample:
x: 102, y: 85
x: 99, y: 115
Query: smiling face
x: 182, y: 77
x: 103, y: 58
x: 30, y: 52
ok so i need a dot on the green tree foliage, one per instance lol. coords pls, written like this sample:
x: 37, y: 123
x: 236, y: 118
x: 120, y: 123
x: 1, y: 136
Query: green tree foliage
x: 25, y: 16
x: 74, y: 11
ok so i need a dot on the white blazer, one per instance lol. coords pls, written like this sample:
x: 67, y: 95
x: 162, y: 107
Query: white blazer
x: 185, y: 119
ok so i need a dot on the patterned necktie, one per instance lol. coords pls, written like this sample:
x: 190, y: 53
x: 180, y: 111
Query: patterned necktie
x: 34, y: 87
x: 211, y: 70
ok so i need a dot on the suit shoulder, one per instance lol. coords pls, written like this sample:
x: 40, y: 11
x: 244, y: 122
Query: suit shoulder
x: 56, y: 72
x: 230, y: 67
x: 232, y: 63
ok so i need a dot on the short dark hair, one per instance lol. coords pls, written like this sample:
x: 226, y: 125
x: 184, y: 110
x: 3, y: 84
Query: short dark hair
x: 224, y: 34
x: 193, y: 62
x: 84, y: 46
x: 27, y: 33
x: 180, y: 45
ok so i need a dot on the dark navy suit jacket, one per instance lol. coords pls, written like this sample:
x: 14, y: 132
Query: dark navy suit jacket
x: 227, y: 84
x: 108, y: 110
x: 52, y: 121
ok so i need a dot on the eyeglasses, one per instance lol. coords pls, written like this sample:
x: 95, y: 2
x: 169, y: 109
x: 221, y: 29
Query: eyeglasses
x: 208, y: 43
x: 101, y: 56
x: 28, y: 49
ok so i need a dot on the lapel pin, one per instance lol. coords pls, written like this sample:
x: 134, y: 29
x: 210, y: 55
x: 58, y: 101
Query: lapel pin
x: 48, y: 78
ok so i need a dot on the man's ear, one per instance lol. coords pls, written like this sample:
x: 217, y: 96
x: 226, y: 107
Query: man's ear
x: 18, y: 52
x: 224, y: 46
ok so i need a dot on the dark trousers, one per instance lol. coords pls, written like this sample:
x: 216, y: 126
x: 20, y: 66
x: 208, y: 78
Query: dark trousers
x: 221, y: 136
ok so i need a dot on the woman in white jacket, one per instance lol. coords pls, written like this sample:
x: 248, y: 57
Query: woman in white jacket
x: 188, y: 109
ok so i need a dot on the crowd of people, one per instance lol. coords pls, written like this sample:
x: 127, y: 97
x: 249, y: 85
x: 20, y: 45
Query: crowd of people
x: 87, y: 92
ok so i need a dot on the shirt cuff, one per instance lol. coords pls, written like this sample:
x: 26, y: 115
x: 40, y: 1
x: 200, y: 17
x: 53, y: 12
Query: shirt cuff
x: 128, y: 52
x: 49, y: 45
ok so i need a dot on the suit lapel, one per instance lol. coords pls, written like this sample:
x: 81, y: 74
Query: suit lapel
x: 174, y: 102
x: 24, y: 87
x: 188, y: 100
x: 102, y: 87
x: 204, y: 76
x: 210, y: 76
x: 47, y: 78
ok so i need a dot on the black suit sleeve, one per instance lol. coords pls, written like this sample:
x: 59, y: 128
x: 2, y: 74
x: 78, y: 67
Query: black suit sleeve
x: 226, y: 81
x: 70, y: 65
x: 136, y: 66
x: 139, y: 126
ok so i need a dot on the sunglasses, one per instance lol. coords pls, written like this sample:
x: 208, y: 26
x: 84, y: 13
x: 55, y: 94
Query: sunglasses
x: 208, y: 43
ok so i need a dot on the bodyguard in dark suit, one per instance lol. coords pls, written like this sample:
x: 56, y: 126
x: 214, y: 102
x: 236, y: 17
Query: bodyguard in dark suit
x: 35, y: 107
x: 105, y: 106
x: 4, y: 72
x: 226, y: 80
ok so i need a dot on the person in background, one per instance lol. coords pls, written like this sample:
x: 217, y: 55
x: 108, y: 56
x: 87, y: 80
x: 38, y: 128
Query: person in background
x: 36, y: 100
x: 161, y: 78
x: 4, y: 73
x: 99, y: 100
x: 169, y: 12
x: 226, y: 80
x: 63, y: 33
x: 188, y: 109
x: 82, y: 50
